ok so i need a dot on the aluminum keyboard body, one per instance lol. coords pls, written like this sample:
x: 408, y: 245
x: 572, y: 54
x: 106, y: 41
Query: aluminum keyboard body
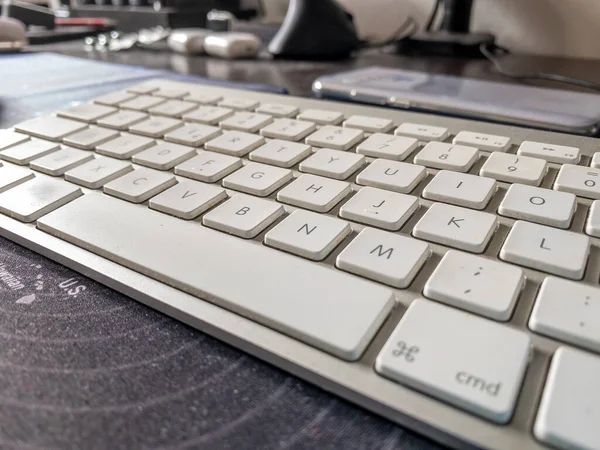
x: 362, y: 374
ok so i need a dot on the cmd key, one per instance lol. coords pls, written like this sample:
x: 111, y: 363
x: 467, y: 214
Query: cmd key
x: 439, y: 350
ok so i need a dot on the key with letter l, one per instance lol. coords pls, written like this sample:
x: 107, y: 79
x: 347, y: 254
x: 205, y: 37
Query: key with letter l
x: 547, y: 249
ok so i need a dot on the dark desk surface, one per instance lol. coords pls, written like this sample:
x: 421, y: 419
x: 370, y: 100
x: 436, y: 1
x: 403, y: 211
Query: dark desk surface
x: 297, y: 76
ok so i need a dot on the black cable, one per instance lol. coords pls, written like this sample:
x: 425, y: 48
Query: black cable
x: 433, y: 15
x: 492, y: 56
x: 407, y: 28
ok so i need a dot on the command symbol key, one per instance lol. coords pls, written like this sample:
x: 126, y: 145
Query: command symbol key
x: 439, y: 350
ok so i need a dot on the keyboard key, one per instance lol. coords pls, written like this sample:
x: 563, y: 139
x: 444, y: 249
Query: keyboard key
x: 392, y: 175
x: 143, y: 88
x: 155, y: 127
x: 592, y: 226
x: 114, y: 98
x: 246, y: 121
x: 57, y: 163
x: 281, y: 153
x: 461, y: 189
x: 23, y: 154
x: 595, y: 160
x: 164, y: 156
x: 122, y: 120
x: 547, y: 249
x: 202, y: 98
x: 337, y: 138
x: 125, y: 146
x: 139, y: 185
x: 514, y: 169
x: 369, y: 124
x: 87, y: 112
x: 258, y: 179
x: 31, y: 200
x: 172, y: 108
x: 91, y: 137
x: 170, y: 93
x: 422, y: 132
x: 321, y: 117
x: 188, y: 199
x: 333, y: 163
x: 10, y: 139
x: 240, y: 104
x: 277, y: 110
x: 568, y: 311
x: 487, y: 142
x: 387, y: 146
x: 51, y: 128
x: 560, y: 154
x: 243, y: 216
x: 441, y: 155
x: 568, y: 416
x: 208, y: 167
x: 474, y: 378
x: 304, y: 233
x: 288, y: 129
x: 235, y: 143
x: 384, y: 257
x: 12, y: 176
x: 538, y: 205
x: 380, y: 208
x: 208, y: 115
x: 142, y: 103
x: 457, y: 227
x: 314, y: 193
x: 476, y: 284
x: 113, y: 230
x: 579, y: 180
x: 193, y: 134
x: 95, y: 174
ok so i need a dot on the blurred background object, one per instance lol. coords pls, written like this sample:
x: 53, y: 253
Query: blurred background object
x: 542, y: 27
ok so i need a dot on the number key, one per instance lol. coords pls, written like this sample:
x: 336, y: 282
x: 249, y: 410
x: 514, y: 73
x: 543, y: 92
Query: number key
x: 514, y: 169
x: 335, y: 137
x: 441, y: 155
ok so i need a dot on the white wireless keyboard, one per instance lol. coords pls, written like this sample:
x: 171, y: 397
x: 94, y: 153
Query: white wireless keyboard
x: 440, y: 272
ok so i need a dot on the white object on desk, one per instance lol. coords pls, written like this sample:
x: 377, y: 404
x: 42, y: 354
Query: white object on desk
x: 188, y: 40
x: 232, y: 45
